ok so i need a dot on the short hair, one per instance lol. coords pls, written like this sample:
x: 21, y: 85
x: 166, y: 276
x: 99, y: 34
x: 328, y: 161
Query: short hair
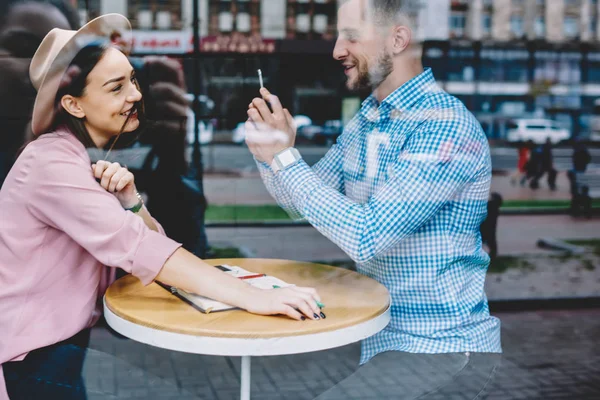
x: 386, y: 13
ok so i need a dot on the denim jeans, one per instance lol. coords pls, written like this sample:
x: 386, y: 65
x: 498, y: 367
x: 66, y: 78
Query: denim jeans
x: 52, y: 372
x: 397, y: 375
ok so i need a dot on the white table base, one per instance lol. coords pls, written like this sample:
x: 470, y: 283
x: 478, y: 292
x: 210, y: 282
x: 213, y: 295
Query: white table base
x: 245, y: 378
x: 246, y: 347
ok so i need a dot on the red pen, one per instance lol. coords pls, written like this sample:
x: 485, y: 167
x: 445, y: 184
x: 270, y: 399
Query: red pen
x: 252, y: 276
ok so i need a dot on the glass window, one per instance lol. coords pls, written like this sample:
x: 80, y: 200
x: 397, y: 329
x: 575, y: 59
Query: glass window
x: 536, y: 127
x: 457, y: 24
x: 486, y: 24
x: 460, y: 65
x: 571, y: 27
x: 540, y: 26
x: 516, y: 25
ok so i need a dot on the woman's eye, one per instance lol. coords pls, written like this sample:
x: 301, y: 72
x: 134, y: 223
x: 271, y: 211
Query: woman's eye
x: 117, y: 88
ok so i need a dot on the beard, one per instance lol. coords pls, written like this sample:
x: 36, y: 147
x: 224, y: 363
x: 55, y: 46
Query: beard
x: 371, y: 76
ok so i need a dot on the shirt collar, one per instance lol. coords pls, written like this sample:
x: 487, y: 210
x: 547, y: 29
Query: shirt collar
x: 400, y: 99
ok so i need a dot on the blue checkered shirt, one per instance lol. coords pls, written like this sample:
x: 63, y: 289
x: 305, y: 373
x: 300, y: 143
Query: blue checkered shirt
x: 403, y: 193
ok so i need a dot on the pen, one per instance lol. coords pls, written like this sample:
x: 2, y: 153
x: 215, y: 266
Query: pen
x: 252, y: 276
x: 321, y: 305
x: 260, y: 78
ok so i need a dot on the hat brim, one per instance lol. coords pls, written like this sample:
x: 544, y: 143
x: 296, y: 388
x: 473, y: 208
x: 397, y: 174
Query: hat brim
x: 98, y: 29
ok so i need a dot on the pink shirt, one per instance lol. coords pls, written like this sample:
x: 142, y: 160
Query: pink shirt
x: 59, y: 231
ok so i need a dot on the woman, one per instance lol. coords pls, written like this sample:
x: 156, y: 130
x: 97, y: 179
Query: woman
x: 64, y: 219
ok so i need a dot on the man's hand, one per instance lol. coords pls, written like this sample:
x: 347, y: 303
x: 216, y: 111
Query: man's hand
x: 268, y: 133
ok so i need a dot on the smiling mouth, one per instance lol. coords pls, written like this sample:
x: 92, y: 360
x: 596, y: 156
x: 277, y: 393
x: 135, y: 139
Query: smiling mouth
x: 132, y: 111
x: 348, y: 68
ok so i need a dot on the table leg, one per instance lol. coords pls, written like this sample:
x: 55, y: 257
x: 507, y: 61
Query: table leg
x: 245, y: 379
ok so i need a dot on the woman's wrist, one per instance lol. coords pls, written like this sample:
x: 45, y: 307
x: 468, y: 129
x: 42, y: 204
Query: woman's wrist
x: 134, y: 203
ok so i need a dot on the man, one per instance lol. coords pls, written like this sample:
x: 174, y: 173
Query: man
x: 403, y: 193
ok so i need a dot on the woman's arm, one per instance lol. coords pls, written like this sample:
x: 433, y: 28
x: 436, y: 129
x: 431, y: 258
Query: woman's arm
x: 120, y: 181
x: 62, y: 194
x: 186, y: 271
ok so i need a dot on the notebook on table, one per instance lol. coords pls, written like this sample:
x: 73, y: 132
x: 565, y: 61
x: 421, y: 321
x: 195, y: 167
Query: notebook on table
x: 207, y: 305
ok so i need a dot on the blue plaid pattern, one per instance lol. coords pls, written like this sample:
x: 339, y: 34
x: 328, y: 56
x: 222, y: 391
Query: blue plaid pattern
x: 403, y: 193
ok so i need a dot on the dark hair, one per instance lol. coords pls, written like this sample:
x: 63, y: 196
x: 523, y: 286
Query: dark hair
x: 84, y: 62
x: 64, y: 6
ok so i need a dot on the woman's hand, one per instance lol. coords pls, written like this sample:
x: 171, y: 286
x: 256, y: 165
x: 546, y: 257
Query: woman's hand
x: 117, y: 180
x: 291, y: 301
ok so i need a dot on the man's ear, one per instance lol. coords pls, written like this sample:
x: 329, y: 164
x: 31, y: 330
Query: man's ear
x: 401, y: 37
x: 72, y: 106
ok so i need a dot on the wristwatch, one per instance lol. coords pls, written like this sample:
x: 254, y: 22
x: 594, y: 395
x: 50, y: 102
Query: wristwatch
x: 138, y: 206
x: 284, y: 159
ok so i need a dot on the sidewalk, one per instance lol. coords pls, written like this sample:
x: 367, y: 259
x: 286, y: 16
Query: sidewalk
x: 516, y: 235
x: 547, y: 355
x: 248, y: 189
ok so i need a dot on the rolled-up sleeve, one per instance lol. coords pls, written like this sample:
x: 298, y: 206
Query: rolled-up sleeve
x: 65, y: 196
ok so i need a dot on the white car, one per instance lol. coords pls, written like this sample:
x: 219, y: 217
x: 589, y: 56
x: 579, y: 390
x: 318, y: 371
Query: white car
x: 205, y: 129
x: 536, y: 130
x: 239, y: 133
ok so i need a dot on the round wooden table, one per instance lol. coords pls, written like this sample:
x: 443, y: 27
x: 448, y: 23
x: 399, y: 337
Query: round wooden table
x: 356, y: 307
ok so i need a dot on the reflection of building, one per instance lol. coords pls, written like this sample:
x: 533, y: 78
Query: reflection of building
x: 508, y: 58
x: 551, y: 20
x: 512, y: 79
x: 501, y: 57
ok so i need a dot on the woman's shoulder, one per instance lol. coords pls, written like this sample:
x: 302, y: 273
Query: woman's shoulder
x: 56, y: 145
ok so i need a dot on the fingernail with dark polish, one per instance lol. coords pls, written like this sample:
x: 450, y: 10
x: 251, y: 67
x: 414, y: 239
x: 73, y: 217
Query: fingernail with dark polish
x: 303, y: 318
x: 323, y: 315
x: 316, y: 316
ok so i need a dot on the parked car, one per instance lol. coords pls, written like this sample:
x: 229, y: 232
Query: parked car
x: 332, y: 129
x: 537, y: 130
x: 206, y: 105
x: 205, y: 129
x: 304, y: 130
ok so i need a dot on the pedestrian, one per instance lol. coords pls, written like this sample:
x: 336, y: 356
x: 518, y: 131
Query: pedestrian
x: 490, y: 224
x: 68, y: 223
x: 581, y: 157
x: 545, y: 165
x: 403, y: 192
x: 520, y: 174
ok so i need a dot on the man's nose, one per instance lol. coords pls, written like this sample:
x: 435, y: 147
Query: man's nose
x: 340, y: 51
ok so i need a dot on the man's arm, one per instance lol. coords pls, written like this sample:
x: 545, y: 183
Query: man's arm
x: 268, y: 132
x: 329, y: 170
x: 436, y: 164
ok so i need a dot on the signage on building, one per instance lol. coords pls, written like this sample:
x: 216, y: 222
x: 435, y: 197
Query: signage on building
x: 236, y: 44
x: 161, y: 42
x: 181, y: 42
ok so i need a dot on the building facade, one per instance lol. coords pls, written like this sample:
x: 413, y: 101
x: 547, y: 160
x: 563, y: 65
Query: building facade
x: 503, y: 58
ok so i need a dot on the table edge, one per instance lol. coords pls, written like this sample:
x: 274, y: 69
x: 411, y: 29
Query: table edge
x: 236, y: 346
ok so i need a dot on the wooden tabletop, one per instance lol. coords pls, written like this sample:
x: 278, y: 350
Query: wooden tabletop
x: 350, y: 298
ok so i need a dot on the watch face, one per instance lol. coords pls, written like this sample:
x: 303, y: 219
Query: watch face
x: 286, y: 158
